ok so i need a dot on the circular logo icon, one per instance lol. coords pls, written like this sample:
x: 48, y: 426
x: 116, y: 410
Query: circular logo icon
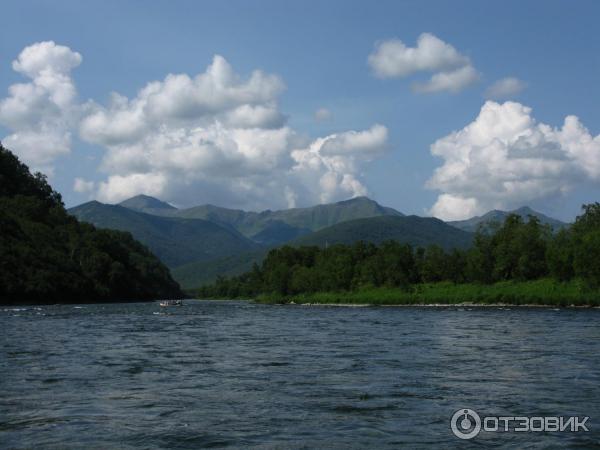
x: 465, y: 424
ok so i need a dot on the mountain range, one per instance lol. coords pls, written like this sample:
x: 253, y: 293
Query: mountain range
x: 271, y: 227
x: 203, y: 242
x: 498, y: 216
x: 174, y: 240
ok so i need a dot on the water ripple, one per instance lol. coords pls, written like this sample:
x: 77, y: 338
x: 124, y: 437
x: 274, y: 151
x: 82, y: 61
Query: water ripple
x: 240, y: 375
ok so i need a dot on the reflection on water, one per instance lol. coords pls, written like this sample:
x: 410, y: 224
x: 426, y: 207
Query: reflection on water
x: 243, y: 375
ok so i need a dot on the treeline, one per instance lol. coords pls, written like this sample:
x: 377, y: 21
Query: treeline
x: 47, y: 256
x: 515, y: 250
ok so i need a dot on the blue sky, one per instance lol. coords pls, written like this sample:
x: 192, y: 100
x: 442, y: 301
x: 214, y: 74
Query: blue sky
x: 319, y: 51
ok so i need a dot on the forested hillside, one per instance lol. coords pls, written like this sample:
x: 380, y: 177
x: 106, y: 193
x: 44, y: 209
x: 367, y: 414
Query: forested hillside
x: 518, y: 250
x: 174, y: 240
x: 47, y: 256
x: 413, y: 230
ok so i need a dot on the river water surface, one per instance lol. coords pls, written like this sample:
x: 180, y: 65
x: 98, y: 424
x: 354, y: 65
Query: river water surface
x: 242, y: 375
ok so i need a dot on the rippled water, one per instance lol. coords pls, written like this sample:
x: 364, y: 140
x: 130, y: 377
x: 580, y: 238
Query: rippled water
x: 212, y: 374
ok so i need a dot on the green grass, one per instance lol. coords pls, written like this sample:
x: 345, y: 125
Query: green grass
x: 538, y: 292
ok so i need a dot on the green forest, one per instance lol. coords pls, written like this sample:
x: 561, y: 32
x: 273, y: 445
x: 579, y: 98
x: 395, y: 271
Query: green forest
x: 517, y: 261
x: 47, y: 256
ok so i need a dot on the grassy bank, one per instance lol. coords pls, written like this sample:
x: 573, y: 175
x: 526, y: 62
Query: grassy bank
x: 538, y: 292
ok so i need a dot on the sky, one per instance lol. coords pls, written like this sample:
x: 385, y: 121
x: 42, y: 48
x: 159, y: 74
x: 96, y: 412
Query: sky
x: 448, y: 109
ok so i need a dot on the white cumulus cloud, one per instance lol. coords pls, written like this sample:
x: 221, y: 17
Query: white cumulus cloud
x: 330, y: 166
x: 453, y: 81
x: 356, y: 142
x: 214, y: 137
x: 219, y: 137
x: 505, y: 88
x: 41, y: 112
x: 452, y: 70
x: 83, y: 186
x: 505, y: 159
x: 182, y: 101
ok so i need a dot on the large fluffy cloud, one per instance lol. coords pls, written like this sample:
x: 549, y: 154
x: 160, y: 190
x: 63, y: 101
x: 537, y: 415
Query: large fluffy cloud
x: 330, y: 166
x: 219, y: 137
x: 182, y: 101
x: 505, y: 158
x: 252, y: 168
x: 41, y: 112
x: 452, y: 70
x: 214, y: 137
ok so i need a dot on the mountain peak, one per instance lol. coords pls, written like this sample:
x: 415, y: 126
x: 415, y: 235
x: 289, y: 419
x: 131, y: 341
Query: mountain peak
x: 143, y: 202
x: 525, y: 210
x: 359, y: 199
x: 497, y: 215
x: 363, y: 201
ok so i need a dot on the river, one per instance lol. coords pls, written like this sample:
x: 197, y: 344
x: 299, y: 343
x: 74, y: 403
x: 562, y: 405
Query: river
x: 243, y: 375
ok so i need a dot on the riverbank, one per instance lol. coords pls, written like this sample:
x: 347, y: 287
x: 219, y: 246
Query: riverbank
x: 529, y: 293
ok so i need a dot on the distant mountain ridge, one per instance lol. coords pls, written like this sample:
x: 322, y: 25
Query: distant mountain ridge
x: 268, y: 227
x: 174, y: 240
x: 499, y: 216
x: 413, y: 230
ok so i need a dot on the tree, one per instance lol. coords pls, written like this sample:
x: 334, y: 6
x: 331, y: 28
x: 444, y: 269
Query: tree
x: 456, y: 266
x: 480, y: 259
x: 303, y: 280
x: 434, y: 264
x: 559, y: 256
x: 586, y: 243
x: 586, y: 260
x: 531, y: 244
x: 588, y: 221
x: 506, y: 249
